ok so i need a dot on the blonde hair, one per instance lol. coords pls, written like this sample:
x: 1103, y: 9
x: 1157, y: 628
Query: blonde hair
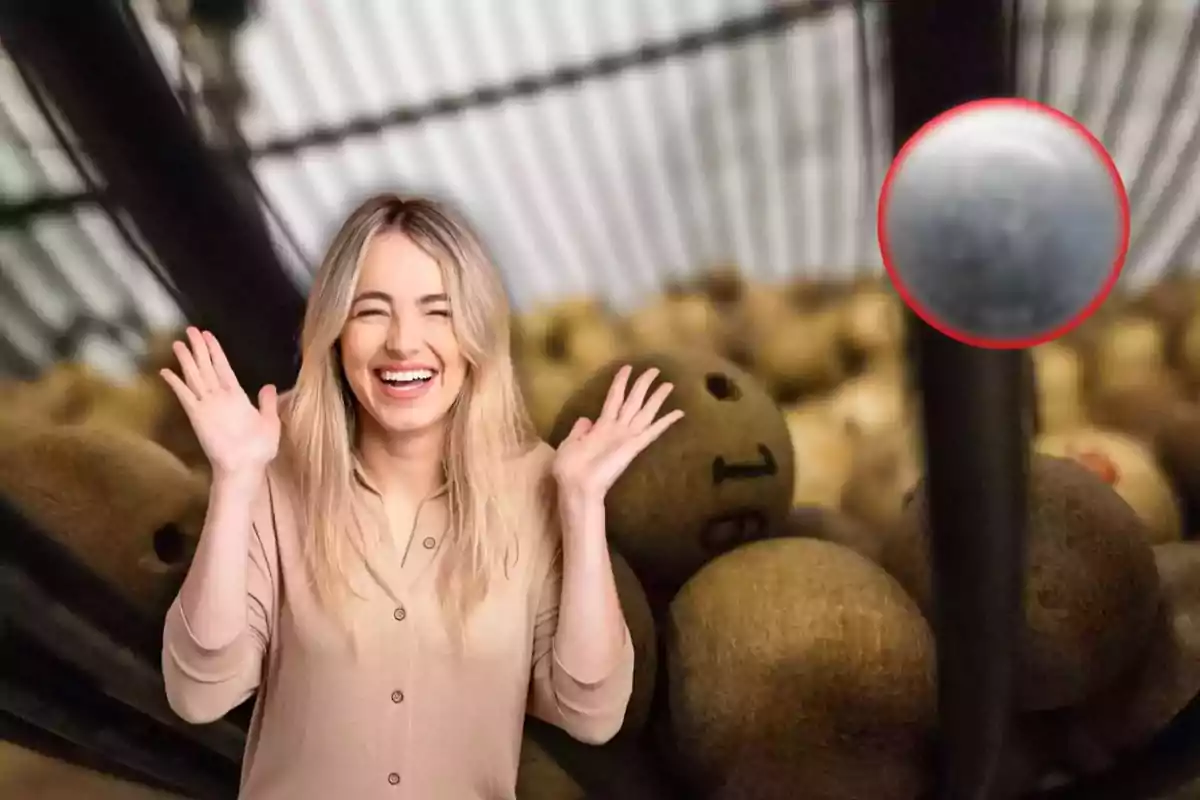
x: 488, y: 424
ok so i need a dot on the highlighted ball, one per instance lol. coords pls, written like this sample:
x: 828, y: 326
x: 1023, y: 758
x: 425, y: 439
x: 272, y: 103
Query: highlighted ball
x: 1003, y: 223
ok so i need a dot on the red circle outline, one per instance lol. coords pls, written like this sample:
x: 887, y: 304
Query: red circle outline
x: 989, y: 343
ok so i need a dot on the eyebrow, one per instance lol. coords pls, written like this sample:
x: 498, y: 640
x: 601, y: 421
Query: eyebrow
x: 424, y: 300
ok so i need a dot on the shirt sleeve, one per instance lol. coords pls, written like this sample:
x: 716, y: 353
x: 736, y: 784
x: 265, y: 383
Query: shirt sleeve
x: 589, y: 712
x: 204, y: 684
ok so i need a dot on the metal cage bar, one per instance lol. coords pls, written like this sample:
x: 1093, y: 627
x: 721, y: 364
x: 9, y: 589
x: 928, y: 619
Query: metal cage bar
x: 155, y: 164
x: 944, y: 54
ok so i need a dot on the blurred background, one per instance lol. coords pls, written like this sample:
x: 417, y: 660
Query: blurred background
x: 648, y: 176
x: 606, y: 151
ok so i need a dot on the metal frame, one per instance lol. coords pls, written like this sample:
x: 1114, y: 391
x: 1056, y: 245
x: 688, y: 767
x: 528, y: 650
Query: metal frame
x: 171, y: 184
x: 975, y: 427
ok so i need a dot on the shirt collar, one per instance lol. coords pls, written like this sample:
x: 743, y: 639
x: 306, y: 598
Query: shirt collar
x: 360, y: 477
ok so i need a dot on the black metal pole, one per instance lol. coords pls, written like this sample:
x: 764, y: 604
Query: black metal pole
x: 975, y: 425
x: 194, y: 216
x: 109, y: 731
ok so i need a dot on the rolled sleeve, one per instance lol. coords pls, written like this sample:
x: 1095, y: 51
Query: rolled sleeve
x: 590, y: 711
x: 203, y: 684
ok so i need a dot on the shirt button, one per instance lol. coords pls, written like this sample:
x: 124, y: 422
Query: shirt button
x: 393, y: 779
x: 429, y: 542
x: 397, y: 696
x: 400, y: 613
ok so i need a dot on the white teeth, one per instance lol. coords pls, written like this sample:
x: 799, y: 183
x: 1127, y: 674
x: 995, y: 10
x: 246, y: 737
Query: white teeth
x: 406, y: 376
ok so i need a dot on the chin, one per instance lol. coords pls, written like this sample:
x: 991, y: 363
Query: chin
x: 414, y: 418
x: 408, y: 424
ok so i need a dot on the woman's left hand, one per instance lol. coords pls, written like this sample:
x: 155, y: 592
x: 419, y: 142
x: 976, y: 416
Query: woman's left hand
x: 594, y: 454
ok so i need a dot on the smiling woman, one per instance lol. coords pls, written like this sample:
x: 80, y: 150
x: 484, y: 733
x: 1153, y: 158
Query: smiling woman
x: 396, y: 670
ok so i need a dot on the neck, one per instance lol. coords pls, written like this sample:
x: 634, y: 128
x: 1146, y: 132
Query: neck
x: 408, y: 464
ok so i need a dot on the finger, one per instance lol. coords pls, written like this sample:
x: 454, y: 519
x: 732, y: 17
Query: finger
x: 647, y: 437
x: 581, y: 427
x: 224, y: 372
x: 268, y: 402
x: 637, y: 395
x: 186, y: 397
x: 650, y: 410
x: 204, y: 365
x: 187, y: 365
x: 616, y: 396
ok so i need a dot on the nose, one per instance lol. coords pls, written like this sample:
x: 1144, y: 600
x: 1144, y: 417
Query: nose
x: 404, y: 335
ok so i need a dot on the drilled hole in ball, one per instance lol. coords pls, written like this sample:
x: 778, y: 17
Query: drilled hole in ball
x: 556, y: 345
x: 169, y: 544
x: 721, y: 387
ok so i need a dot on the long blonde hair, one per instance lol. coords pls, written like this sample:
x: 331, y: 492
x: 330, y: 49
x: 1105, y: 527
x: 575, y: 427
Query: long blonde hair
x: 487, y: 429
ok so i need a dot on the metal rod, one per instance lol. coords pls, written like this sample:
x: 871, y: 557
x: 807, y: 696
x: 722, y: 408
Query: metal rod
x: 239, y: 151
x: 1012, y: 45
x: 975, y: 427
x: 15, y: 213
x: 34, y: 690
x: 117, y: 671
x: 17, y: 732
x: 1051, y: 29
x: 201, y: 227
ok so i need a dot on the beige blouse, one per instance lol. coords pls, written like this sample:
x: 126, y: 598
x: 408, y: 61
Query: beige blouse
x: 402, y: 717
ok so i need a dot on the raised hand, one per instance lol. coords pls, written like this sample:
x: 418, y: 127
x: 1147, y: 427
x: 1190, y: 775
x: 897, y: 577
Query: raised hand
x: 237, y: 437
x: 594, y: 454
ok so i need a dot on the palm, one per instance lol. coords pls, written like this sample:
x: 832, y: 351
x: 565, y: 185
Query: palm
x: 594, y: 455
x: 235, y: 435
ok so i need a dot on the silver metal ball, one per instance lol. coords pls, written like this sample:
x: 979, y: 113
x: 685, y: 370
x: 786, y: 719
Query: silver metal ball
x: 1002, y: 223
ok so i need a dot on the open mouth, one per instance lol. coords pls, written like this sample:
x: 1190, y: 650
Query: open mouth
x: 405, y: 380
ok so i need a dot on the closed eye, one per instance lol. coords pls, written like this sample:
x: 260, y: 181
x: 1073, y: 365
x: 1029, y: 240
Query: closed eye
x: 370, y: 312
x: 440, y: 312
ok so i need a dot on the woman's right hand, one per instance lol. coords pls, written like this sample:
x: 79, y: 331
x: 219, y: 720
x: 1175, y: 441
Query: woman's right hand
x: 238, y: 438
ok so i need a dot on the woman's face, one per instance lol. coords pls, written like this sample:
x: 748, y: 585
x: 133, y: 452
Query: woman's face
x: 399, y: 351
